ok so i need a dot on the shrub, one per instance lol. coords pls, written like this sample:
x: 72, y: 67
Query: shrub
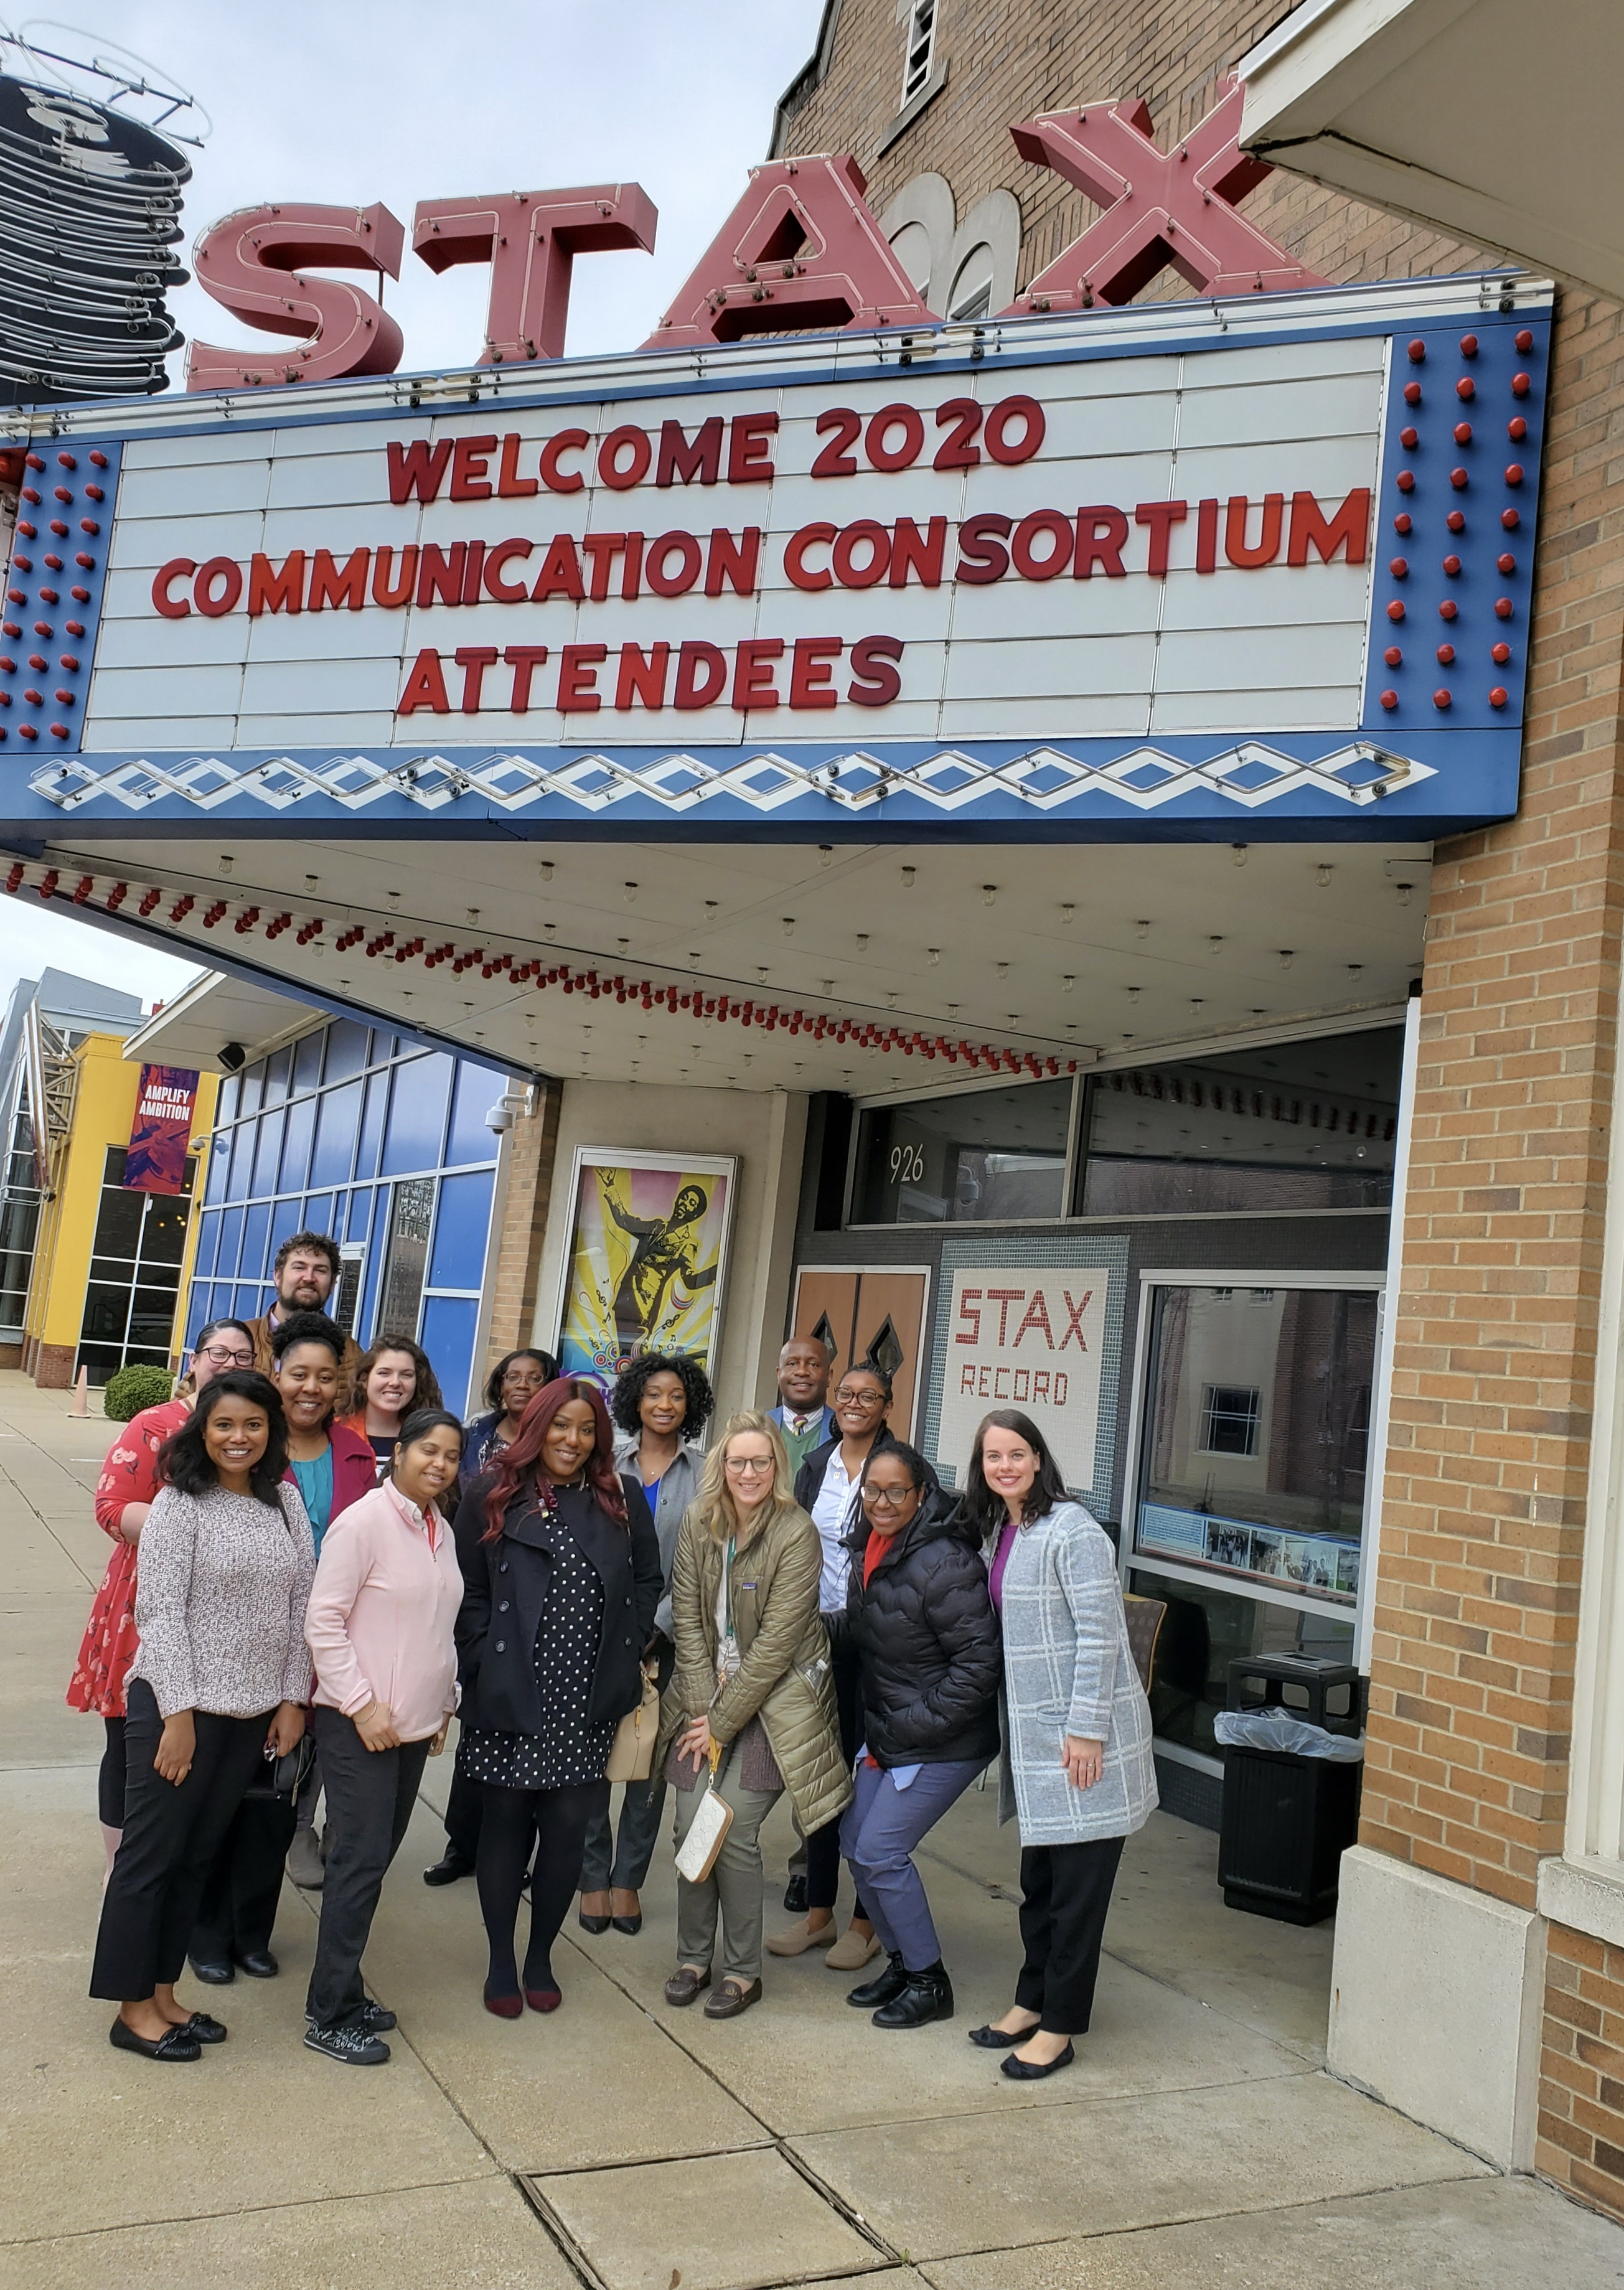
x: 132, y: 1389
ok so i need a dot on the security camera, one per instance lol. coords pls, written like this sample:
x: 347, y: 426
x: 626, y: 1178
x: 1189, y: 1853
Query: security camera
x: 499, y: 1117
x: 234, y: 1057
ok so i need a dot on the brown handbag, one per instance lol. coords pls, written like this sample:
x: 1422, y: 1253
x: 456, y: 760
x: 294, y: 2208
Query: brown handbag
x: 631, y: 1753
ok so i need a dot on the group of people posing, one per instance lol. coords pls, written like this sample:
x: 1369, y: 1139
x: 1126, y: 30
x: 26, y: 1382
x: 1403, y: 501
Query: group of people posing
x: 318, y: 1567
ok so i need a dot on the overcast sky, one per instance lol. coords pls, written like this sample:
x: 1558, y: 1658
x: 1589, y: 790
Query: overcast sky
x: 394, y: 101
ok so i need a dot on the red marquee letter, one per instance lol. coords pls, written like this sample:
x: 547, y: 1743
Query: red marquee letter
x: 531, y: 239
x: 245, y: 262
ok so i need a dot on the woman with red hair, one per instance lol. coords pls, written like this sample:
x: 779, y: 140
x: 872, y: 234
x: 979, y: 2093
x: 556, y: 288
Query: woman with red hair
x: 562, y: 1576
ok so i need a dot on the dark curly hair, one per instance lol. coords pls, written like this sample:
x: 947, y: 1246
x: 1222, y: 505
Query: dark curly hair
x: 626, y: 1400
x: 184, y: 1462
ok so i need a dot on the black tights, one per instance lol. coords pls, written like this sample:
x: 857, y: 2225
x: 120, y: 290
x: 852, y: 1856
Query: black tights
x: 557, y: 1819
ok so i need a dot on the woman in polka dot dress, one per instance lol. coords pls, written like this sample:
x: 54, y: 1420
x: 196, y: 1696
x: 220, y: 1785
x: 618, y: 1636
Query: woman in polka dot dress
x: 562, y: 1575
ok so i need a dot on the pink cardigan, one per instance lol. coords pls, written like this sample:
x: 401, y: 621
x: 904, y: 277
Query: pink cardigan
x: 381, y: 1615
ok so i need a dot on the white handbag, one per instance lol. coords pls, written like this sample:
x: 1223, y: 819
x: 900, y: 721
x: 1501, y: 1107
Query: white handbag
x: 696, y: 1855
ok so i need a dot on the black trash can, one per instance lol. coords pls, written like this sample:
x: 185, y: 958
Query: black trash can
x: 1288, y: 1819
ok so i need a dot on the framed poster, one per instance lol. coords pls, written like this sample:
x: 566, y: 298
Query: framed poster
x: 646, y: 1256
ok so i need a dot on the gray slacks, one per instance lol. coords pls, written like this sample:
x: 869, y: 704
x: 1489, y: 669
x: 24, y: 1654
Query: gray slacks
x: 735, y: 1887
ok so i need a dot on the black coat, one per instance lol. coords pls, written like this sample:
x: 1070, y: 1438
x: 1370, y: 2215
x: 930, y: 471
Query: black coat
x: 505, y: 1588
x: 928, y: 1641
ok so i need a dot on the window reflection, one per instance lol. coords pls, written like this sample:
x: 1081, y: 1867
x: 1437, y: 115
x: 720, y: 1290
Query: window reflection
x: 965, y: 1158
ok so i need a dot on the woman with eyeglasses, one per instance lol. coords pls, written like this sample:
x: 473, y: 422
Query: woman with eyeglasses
x: 509, y: 1388
x: 751, y: 1698
x: 561, y: 1574
x: 825, y: 1488
x: 922, y: 1626
x: 393, y: 1380
x: 125, y: 1492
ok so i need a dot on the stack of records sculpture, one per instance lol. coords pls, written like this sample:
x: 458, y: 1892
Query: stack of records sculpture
x: 89, y: 215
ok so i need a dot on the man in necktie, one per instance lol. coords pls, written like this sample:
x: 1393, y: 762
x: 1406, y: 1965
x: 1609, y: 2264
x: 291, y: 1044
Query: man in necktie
x: 803, y: 1413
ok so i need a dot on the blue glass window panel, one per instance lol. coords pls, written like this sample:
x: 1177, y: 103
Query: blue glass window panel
x: 417, y: 1115
x: 253, y: 1088
x: 384, y: 1046
x: 296, y: 1145
x: 219, y: 1166
x: 267, y: 1154
x: 317, y: 1215
x: 447, y: 1336
x: 208, y: 1245
x: 457, y: 1258
x: 360, y: 1215
x: 478, y: 1089
x: 199, y: 1310
x: 372, y: 1125
x: 307, y: 1060
x: 231, y: 1242
x: 255, y: 1260
x: 276, y: 1069
x: 346, y: 1049
x: 366, y: 1317
x: 225, y: 1102
x: 242, y: 1145
x: 338, y: 1118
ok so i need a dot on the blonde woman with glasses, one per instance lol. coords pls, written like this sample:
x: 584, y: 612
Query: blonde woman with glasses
x: 751, y: 1701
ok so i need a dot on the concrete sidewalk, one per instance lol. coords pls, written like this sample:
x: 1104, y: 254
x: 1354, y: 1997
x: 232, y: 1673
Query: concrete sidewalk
x: 1197, y: 2144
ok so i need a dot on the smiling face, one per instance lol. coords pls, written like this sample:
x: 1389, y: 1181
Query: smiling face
x: 307, y: 1378
x: 304, y: 1281
x: 804, y: 1375
x: 571, y: 1436
x: 860, y: 1404
x: 521, y: 1378
x: 234, y: 1438
x: 1008, y: 1465
x: 663, y: 1407
x: 890, y: 1500
x: 391, y: 1384
x: 429, y: 1466
x: 749, y: 1467
x: 226, y: 1348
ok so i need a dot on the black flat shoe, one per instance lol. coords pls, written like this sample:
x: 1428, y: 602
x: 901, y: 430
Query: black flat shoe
x: 794, y: 1896
x: 455, y: 1865
x: 259, y: 1964
x: 176, y: 2047
x: 628, y: 1924
x: 994, y: 2039
x: 212, y: 1975
x: 886, y: 1986
x: 592, y: 1924
x: 1032, y: 2071
x: 924, y: 1996
x: 206, y: 2028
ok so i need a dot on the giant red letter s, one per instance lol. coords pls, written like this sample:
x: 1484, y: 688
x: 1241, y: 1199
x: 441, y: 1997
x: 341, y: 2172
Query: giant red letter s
x: 252, y: 263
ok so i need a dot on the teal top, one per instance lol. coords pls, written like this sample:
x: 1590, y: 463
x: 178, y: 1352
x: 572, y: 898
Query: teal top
x: 316, y: 1486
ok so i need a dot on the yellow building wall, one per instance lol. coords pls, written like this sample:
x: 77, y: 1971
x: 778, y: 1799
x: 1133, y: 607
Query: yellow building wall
x: 106, y: 1089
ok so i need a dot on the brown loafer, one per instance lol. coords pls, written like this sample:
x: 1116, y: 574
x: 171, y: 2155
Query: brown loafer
x: 687, y: 1982
x: 730, y: 2000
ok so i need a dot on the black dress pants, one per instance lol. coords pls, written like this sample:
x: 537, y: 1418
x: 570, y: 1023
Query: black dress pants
x: 237, y: 1912
x: 464, y: 1805
x: 370, y: 1796
x: 110, y: 1778
x: 172, y: 1834
x: 823, y: 1846
x: 1065, y: 1890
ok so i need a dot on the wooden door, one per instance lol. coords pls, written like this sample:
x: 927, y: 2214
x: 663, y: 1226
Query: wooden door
x: 870, y: 1314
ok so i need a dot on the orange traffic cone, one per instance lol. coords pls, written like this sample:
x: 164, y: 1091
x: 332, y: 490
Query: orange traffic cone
x: 80, y: 1403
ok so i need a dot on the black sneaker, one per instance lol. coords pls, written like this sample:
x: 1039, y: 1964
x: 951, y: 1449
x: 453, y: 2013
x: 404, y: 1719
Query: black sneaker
x: 377, y: 2019
x: 350, y: 2043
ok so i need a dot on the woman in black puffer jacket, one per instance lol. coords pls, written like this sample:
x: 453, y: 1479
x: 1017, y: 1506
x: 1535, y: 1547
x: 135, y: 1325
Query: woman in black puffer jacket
x: 920, y: 1624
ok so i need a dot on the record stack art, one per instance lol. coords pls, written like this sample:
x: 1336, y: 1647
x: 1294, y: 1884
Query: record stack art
x: 89, y: 215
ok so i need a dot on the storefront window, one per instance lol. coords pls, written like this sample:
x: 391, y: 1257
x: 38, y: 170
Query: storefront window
x: 1256, y: 1423
x: 1207, y: 1627
x: 1295, y: 1126
x: 970, y: 1157
x: 134, y: 1273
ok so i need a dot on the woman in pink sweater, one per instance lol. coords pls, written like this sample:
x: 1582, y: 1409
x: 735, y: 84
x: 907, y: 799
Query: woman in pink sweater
x: 380, y: 1624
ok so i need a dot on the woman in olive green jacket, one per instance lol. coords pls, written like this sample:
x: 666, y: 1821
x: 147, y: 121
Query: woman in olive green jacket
x: 752, y: 1697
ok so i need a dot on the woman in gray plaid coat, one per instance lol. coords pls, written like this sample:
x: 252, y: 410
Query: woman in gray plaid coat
x: 1076, y: 1768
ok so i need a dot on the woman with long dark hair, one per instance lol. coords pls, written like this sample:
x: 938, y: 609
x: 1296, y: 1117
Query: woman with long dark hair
x: 659, y: 1406
x: 125, y: 1492
x: 218, y: 1686
x: 1077, y: 1769
x: 561, y: 1568
x: 380, y: 1628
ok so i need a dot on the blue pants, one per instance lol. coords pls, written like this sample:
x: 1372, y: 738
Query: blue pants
x: 877, y: 1838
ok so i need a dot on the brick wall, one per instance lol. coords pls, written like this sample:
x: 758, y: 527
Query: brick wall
x: 533, y: 1148
x: 1581, y: 2136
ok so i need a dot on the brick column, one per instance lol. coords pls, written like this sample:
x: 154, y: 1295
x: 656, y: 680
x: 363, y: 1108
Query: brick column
x: 532, y: 1145
x: 1495, y: 1351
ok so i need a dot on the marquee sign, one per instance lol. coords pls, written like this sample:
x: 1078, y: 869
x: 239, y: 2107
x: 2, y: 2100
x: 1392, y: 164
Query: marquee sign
x: 1223, y: 569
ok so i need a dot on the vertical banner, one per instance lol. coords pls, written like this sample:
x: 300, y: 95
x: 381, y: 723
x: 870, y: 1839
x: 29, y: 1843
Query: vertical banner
x: 647, y: 1252
x: 162, y: 1130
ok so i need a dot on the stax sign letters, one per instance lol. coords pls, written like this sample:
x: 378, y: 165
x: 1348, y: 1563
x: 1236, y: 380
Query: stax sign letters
x: 1032, y: 1339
